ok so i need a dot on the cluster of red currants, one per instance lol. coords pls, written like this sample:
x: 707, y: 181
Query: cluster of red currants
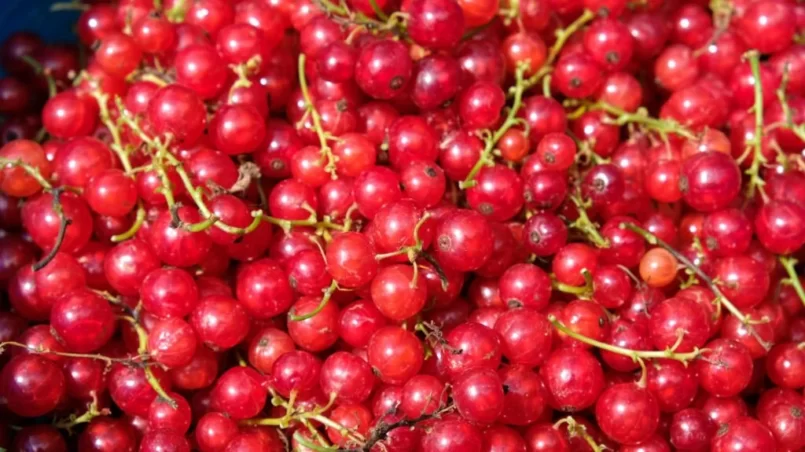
x: 405, y: 225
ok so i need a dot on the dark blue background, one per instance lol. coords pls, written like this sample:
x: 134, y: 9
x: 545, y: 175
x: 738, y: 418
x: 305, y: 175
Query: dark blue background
x: 35, y: 15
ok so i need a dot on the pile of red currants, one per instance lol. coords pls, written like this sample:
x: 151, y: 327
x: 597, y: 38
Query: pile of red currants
x: 405, y: 225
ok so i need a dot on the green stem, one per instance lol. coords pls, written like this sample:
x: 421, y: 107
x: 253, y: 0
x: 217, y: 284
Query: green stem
x: 562, y: 36
x: 324, y: 445
x: 573, y: 290
x: 257, y: 218
x: 198, y: 199
x: 30, y: 170
x: 492, y: 140
x: 532, y: 81
x: 167, y: 188
x: 243, y: 71
x: 328, y: 293
x: 153, y: 78
x: 202, y: 225
x: 355, y: 19
x: 331, y: 8
x: 799, y: 131
x: 722, y: 13
x: 139, y: 219
x: 723, y: 300
x: 399, y: 252
x: 142, y: 349
x: 418, y: 227
x: 40, y: 351
x: 91, y: 413
x: 303, y: 441
x: 378, y: 11
x: 585, y: 225
x: 508, y: 14
x: 326, y: 152
x: 756, y: 182
x: 412, y: 251
x: 286, y: 225
x: 241, y: 361
x: 267, y: 422
x: 574, y: 429
x: 348, y: 217
x: 343, y: 431
x: 781, y: 94
x: 163, y: 157
x: 584, y: 291
x: 127, y: 119
x: 789, y: 264
x: 197, y: 196
x: 634, y: 354
x: 303, y: 417
x: 157, y: 387
x: 177, y: 13
x: 281, y: 422
x: 41, y: 135
x: 117, y: 301
x: 117, y: 143
x: 69, y: 6
x: 580, y: 291
x: 641, y: 117
x: 590, y: 441
x: 40, y: 70
x: 546, y: 86
x: 788, y: 117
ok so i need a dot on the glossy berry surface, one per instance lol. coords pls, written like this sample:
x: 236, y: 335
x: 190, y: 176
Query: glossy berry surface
x: 415, y: 225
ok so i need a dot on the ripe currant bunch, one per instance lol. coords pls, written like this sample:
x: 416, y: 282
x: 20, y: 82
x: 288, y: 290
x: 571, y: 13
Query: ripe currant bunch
x: 405, y: 225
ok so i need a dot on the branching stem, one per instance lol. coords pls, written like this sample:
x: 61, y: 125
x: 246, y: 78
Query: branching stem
x: 142, y: 349
x: 326, y: 153
x: 722, y: 299
x: 789, y: 264
x: 113, y: 127
x: 636, y: 355
x: 40, y: 351
x: 73, y: 420
x: 492, y: 139
x: 562, y: 36
x: 585, y: 225
x: 621, y: 117
x: 756, y: 182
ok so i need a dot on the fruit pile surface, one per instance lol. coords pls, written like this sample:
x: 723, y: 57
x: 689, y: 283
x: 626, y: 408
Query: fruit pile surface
x: 405, y: 226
